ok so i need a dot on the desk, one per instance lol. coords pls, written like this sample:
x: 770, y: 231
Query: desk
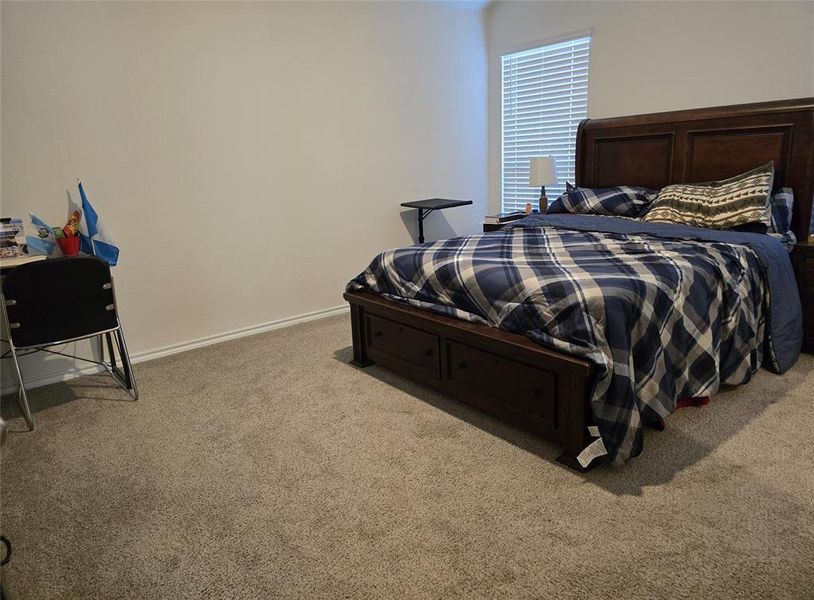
x: 7, y: 264
x: 425, y: 207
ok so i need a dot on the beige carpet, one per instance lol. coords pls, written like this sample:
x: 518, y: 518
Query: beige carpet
x: 269, y: 467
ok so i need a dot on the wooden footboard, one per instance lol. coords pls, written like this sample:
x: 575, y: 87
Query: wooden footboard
x: 502, y: 373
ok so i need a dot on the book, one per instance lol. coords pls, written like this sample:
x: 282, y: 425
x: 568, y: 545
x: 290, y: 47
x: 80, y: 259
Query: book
x: 504, y: 217
x: 12, y: 237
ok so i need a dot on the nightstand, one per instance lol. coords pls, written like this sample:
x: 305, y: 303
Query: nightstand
x: 802, y: 257
x: 487, y: 227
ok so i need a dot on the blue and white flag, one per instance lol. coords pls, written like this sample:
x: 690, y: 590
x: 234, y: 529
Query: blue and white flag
x: 93, y: 238
x: 43, y: 242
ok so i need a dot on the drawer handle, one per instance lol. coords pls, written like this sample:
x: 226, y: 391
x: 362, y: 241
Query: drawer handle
x: 378, y: 334
x: 462, y: 365
x: 538, y: 394
x: 428, y: 352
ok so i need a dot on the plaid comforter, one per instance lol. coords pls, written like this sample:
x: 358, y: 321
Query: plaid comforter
x: 661, y: 318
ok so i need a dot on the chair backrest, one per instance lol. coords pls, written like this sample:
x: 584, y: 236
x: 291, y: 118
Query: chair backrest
x: 59, y: 299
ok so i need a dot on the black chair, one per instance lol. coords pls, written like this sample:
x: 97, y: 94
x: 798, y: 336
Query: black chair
x: 63, y: 300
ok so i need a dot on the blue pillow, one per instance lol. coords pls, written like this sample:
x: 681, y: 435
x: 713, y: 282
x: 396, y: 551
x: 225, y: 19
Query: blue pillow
x: 782, y: 202
x: 622, y: 201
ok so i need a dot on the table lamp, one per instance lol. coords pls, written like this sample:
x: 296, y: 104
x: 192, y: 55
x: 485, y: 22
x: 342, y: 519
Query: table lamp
x: 542, y: 171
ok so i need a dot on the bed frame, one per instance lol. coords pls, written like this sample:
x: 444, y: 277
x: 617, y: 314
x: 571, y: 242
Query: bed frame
x: 545, y: 391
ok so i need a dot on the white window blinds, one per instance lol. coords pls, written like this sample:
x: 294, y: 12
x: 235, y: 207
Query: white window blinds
x: 545, y: 96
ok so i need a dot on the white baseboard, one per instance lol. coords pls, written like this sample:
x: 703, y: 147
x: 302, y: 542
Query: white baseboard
x: 237, y: 333
x: 49, y: 378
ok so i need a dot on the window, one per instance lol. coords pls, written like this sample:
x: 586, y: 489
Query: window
x: 545, y: 96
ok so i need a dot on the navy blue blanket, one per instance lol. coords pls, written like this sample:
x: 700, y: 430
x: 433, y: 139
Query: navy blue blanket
x: 664, y: 311
x: 785, y: 330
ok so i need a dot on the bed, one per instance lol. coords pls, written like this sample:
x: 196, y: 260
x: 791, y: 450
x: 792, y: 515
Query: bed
x: 513, y: 343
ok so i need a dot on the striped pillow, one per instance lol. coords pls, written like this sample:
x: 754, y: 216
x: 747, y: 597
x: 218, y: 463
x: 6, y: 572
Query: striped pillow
x: 718, y: 204
x: 624, y: 201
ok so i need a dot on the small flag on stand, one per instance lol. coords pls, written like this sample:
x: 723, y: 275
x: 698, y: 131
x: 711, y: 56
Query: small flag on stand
x: 94, y: 239
x: 43, y: 242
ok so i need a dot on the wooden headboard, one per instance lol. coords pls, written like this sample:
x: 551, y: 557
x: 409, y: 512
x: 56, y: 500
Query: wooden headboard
x: 704, y: 144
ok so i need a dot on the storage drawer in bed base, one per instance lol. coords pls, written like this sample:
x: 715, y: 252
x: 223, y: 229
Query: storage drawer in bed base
x: 498, y: 372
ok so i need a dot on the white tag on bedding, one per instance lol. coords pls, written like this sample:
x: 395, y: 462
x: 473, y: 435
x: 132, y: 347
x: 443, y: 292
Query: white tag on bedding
x: 593, y: 450
x: 593, y: 430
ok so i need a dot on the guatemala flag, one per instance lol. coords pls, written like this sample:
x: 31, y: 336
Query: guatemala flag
x: 93, y: 239
x: 43, y: 242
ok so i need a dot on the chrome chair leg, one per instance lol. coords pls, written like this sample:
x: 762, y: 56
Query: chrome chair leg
x: 126, y: 364
x: 113, y: 365
x: 22, y: 398
x: 124, y: 376
x: 100, y: 343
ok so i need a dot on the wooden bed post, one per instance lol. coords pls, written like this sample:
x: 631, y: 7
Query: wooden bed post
x: 357, y: 321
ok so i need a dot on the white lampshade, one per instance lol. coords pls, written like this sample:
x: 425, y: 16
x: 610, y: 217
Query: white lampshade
x: 542, y: 171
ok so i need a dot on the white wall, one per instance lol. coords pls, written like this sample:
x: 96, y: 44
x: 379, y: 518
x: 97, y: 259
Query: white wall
x: 249, y: 158
x: 658, y: 56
